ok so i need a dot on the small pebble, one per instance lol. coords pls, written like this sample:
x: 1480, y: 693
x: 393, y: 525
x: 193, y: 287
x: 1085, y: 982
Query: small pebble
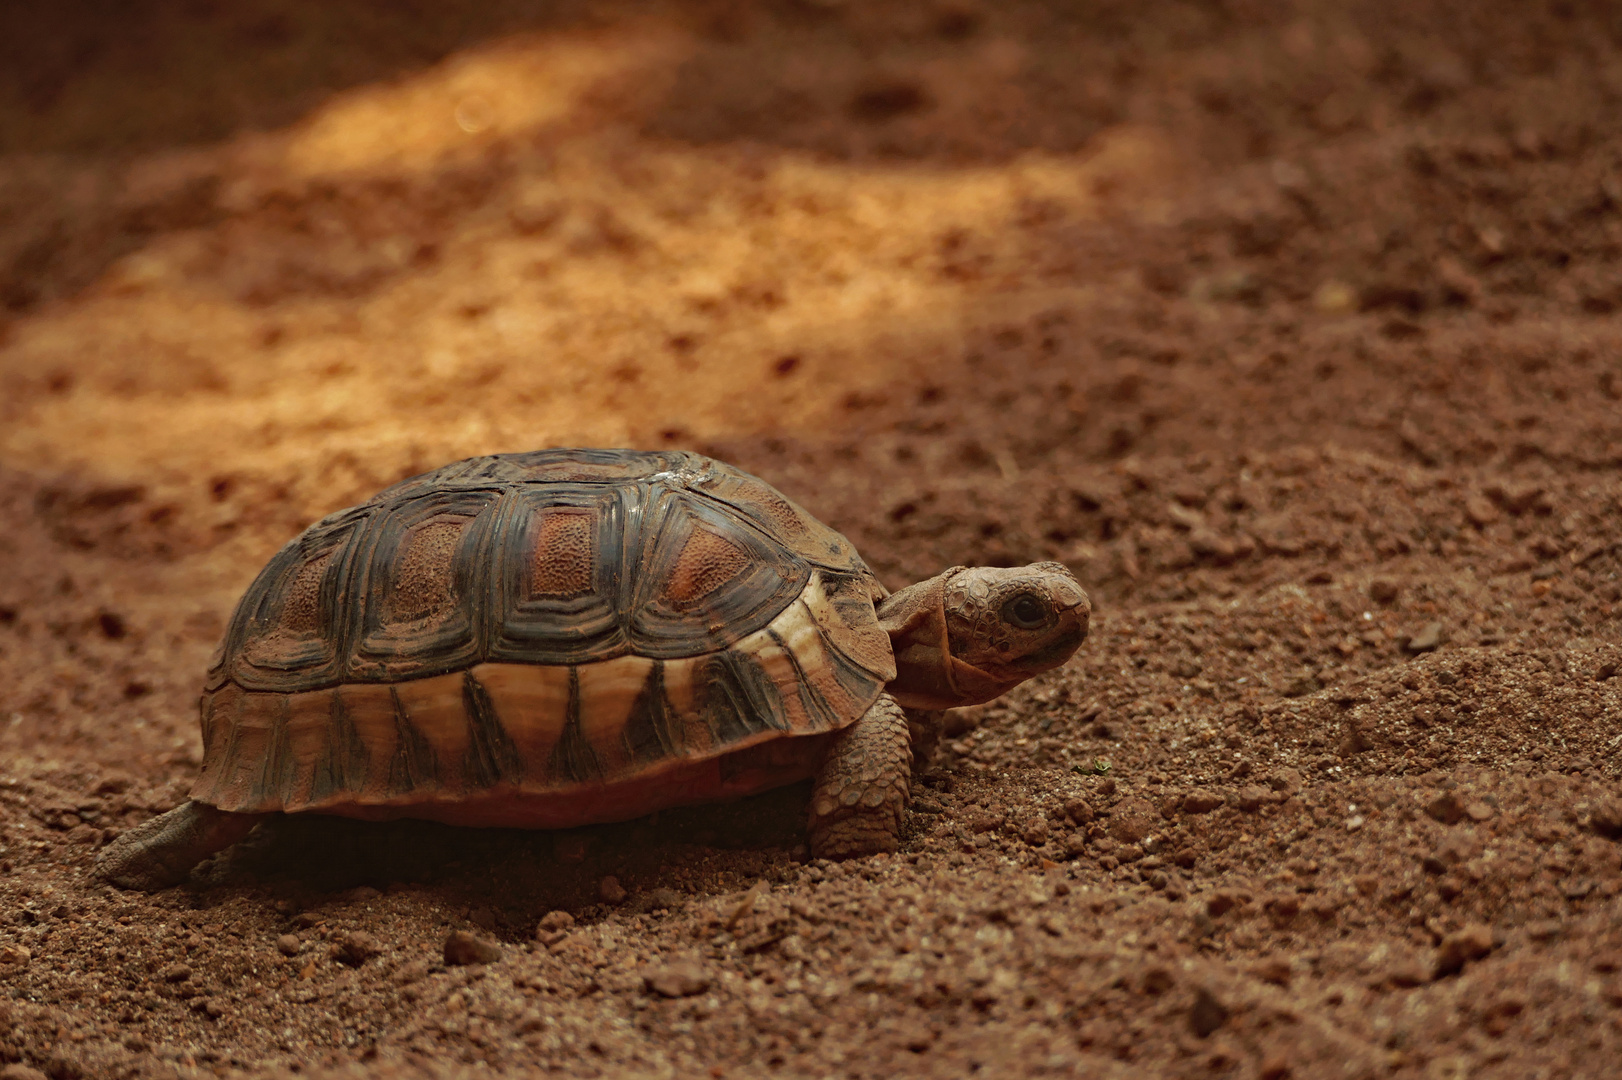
x: 14, y: 956
x: 1207, y: 1014
x: 1275, y: 970
x: 1134, y: 819
x: 655, y: 899
x: 20, y: 1072
x: 1606, y: 819
x: 357, y: 947
x: 1544, y: 929
x: 1383, y: 590
x: 463, y: 948
x: 288, y: 945
x: 1427, y: 639
x: 553, y: 928
x: 176, y: 973
x: 1335, y: 297
x: 1250, y: 798
x: 681, y: 979
x: 986, y: 822
x: 1201, y: 801
x: 554, y: 921
x: 1078, y: 811
x: 611, y: 891
x: 1446, y: 808
x: 1286, y: 781
x: 1462, y: 946
x: 1480, y: 510
x: 1157, y: 980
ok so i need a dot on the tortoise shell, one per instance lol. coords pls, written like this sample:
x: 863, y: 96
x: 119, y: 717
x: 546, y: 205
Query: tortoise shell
x: 542, y: 639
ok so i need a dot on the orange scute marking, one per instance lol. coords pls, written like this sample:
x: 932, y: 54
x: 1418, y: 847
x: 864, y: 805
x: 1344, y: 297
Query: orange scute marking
x: 301, y: 614
x: 562, y: 563
x: 707, y: 562
x: 422, y: 579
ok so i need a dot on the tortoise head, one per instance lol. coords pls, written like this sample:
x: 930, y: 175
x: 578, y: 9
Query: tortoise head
x: 970, y: 634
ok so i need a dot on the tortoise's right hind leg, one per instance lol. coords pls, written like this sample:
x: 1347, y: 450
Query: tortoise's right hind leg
x: 160, y: 852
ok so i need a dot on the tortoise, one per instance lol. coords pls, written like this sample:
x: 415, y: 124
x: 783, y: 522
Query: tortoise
x: 568, y: 637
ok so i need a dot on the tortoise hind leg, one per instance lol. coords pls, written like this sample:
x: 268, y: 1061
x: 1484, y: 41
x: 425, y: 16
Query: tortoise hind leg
x: 861, y: 790
x: 160, y: 852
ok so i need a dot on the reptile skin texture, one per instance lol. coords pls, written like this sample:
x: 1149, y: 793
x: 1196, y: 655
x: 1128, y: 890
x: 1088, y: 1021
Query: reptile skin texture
x: 861, y: 791
x: 160, y: 852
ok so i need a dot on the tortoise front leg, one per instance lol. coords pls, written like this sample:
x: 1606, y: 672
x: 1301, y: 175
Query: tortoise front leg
x: 861, y: 791
x: 925, y: 727
x: 161, y: 851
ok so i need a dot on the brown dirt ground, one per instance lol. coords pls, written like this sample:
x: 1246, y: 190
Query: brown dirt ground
x: 1291, y: 327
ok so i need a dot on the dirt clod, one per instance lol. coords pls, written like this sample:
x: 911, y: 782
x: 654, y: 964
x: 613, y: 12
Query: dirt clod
x: 1078, y: 810
x: 463, y: 949
x: 1250, y: 798
x: 1207, y: 1014
x: 1606, y: 818
x: 1462, y: 946
x: 357, y: 946
x: 555, y: 922
x: 1426, y: 639
x: 18, y: 1071
x: 610, y: 891
x: 677, y: 980
x: 1446, y: 808
x: 1133, y: 819
x: 1201, y: 801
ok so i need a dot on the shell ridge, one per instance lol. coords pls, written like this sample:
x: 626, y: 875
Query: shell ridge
x: 631, y: 542
x: 483, y: 577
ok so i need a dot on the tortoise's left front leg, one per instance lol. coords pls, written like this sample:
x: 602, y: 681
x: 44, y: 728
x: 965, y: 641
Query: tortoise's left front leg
x: 925, y: 727
x: 860, y: 795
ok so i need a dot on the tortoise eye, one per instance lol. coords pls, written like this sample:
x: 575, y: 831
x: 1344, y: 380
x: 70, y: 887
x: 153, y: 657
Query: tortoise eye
x: 1026, y: 611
